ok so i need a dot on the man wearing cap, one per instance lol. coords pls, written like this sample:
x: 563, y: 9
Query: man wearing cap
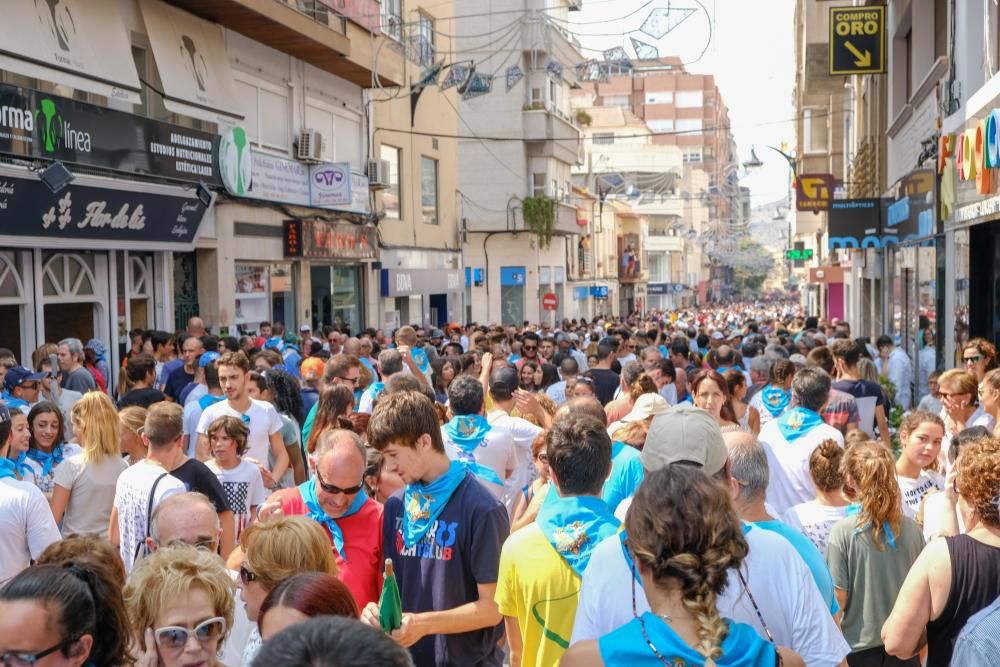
x: 21, y: 387
x: 783, y: 592
x: 141, y: 373
x: 199, y: 388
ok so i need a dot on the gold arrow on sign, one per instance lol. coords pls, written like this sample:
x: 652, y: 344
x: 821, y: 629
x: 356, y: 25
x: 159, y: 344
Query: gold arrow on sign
x: 863, y: 60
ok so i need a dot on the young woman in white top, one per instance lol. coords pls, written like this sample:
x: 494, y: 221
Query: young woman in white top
x: 815, y: 518
x: 920, y: 435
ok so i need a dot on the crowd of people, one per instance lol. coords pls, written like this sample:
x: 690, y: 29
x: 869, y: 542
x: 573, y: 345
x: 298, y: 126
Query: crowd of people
x: 730, y: 486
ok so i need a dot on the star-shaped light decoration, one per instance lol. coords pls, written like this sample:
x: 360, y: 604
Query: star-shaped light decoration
x: 456, y: 75
x: 662, y: 20
x: 644, y: 51
x: 513, y: 75
x: 479, y: 84
x: 554, y: 70
x: 617, y: 55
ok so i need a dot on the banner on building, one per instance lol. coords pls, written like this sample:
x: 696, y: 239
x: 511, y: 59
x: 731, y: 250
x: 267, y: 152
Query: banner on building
x: 37, y: 125
x: 814, y: 192
x: 321, y: 239
x: 855, y: 223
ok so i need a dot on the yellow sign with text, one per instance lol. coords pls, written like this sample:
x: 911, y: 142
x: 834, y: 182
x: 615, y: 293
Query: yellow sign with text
x: 857, y: 40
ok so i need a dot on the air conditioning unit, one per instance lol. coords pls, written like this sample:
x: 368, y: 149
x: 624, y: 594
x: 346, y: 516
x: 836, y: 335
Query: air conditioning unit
x: 310, y: 146
x: 378, y: 174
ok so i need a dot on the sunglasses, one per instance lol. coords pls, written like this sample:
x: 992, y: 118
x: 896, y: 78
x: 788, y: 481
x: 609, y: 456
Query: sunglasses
x: 529, y: 348
x: 331, y: 489
x: 353, y: 381
x: 247, y: 576
x: 17, y: 659
x: 175, y: 637
x: 973, y: 360
x: 945, y: 394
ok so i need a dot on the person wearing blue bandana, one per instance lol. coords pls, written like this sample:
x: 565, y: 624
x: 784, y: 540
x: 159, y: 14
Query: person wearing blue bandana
x: 28, y: 527
x: 681, y: 554
x: 414, y: 357
x: 391, y: 363
x: 21, y: 388
x: 335, y: 498
x: 541, y: 564
x: 443, y: 531
x: 775, y: 397
x: 791, y: 438
x: 486, y: 451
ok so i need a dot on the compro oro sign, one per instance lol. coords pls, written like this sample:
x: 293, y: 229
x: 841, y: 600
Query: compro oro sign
x: 857, y: 40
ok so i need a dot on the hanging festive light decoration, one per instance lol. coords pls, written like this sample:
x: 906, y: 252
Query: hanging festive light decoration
x: 479, y: 84
x: 513, y: 75
x: 554, y: 70
x: 591, y: 70
x: 644, y: 51
x: 457, y: 74
x: 663, y: 20
x: 618, y: 56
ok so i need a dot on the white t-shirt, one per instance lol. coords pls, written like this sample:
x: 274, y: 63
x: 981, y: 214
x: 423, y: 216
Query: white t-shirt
x: 264, y: 422
x: 496, y: 452
x: 522, y: 433
x: 557, y: 392
x: 192, y: 415
x: 195, y: 394
x: 913, y: 490
x: 789, y: 463
x: 239, y: 634
x: 26, y: 526
x: 814, y: 520
x: 132, y: 502
x: 776, y: 575
x: 244, y: 488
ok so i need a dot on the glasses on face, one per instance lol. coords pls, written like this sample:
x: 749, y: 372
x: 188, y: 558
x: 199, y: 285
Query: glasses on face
x: 353, y: 381
x: 529, y: 348
x: 973, y: 360
x: 542, y: 457
x: 945, y: 394
x: 17, y: 659
x: 331, y: 489
x: 247, y: 576
x: 175, y: 637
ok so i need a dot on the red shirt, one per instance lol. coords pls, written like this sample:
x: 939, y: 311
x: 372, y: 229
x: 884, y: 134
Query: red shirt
x: 362, y: 571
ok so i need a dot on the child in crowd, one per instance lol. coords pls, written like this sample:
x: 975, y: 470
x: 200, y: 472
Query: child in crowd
x: 920, y: 435
x: 240, y: 479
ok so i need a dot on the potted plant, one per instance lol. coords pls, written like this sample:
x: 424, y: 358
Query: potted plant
x: 583, y: 118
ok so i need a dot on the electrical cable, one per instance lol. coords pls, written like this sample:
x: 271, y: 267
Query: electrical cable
x: 481, y: 142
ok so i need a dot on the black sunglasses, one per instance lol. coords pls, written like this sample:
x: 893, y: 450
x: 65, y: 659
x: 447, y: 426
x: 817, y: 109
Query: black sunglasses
x: 331, y: 489
x: 247, y: 575
x: 18, y: 659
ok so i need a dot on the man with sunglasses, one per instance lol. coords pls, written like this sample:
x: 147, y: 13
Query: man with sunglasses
x: 22, y: 386
x: 335, y: 499
x: 773, y: 592
x: 530, y: 342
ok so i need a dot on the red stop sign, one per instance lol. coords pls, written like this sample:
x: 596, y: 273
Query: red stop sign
x: 550, y: 301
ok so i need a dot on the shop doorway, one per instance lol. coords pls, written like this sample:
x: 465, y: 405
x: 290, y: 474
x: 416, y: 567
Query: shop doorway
x: 337, y: 297
x: 439, y: 310
x: 73, y: 303
x: 984, y: 285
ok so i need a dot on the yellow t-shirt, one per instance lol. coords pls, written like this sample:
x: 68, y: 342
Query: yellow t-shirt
x: 536, y: 586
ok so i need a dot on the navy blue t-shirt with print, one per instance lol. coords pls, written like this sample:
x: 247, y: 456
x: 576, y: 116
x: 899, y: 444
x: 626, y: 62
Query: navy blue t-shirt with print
x: 461, y: 550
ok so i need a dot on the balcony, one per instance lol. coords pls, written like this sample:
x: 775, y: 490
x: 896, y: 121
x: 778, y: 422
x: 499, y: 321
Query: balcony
x: 550, y: 133
x: 565, y: 222
x: 317, y: 35
x: 661, y: 242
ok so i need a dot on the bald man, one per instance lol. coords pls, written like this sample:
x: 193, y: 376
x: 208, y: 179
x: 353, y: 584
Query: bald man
x: 335, y: 498
x: 185, y: 517
x: 196, y: 327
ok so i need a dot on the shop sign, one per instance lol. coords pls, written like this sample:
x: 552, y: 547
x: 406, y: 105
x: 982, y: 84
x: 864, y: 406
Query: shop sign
x: 579, y: 293
x: 321, y: 239
x: 398, y: 282
x: 28, y: 208
x: 511, y: 276
x: 799, y: 254
x: 912, y: 211
x: 330, y: 184
x: 664, y: 288
x: 813, y: 192
x: 855, y: 223
x: 857, y: 40
x: 599, y: 291
x: 985, y: 208
x: 38, y: 125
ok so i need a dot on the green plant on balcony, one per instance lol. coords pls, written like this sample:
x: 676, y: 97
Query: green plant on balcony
x: 583, y: 118
x: 533, y: 106
x: 539, y: 217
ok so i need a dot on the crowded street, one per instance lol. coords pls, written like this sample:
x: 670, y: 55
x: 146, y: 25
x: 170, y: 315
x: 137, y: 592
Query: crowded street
x: 463, y: 333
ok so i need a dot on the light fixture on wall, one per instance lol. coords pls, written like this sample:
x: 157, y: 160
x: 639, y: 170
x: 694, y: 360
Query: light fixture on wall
x: 204, y: 194
x: 55, y: 177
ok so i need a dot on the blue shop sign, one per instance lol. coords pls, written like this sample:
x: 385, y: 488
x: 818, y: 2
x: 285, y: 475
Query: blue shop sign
x: 511, y: 275
x: 579, y: 293
x: 599, y: 291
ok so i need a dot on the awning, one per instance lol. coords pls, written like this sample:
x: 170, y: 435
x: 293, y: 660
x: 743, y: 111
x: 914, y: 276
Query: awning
x: 190, y: 55
x: 82, y: 44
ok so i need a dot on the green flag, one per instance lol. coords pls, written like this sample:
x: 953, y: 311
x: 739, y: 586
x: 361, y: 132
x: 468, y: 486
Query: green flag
x: 390, y: 607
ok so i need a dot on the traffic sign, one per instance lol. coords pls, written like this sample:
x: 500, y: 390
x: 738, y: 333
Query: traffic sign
x: 550, y: 301
x: 857, y: 40
x: 799, y: 254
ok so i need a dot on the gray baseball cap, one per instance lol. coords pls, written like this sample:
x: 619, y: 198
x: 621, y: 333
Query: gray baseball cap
x: 688, y: 434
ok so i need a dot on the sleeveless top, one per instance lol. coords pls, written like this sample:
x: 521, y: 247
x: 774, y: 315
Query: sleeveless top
x: 975, y: 584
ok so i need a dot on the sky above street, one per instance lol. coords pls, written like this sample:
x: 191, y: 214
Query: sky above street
x: 750, y: 54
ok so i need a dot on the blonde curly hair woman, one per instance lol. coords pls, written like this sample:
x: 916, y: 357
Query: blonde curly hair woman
x: 681, y: 555
x: 874, y: 537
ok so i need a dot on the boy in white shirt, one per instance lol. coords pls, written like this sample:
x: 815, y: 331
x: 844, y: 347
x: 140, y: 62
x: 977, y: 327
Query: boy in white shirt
x: 240, y: 479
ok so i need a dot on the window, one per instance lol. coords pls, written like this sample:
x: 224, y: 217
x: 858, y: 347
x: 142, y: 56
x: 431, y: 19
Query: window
x: 425, y: 31
x: 538, y: 184
x: 662, y: 125
x: 391, y: 196
x: 688, y: 125
x: 660, y: 97
x: 908, y: 43
x: 603, y: 138
x: 265, y: 109
x: 537, y: 97
x: 692, y: 155
x: 428, y: 189
x: 616, y: 101
x: 553, y: 94
x: 689, y: 99
x: 392, y: 19
x: 814, y: 130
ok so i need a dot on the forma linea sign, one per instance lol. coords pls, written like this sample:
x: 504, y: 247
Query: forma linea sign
x: 857, y: 40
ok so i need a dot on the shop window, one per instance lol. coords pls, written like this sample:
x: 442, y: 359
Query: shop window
x: 336, y: 296
x: 512, y: 294
x: 429, y: 189
x: 264, y: 292
x: 392, y: 195
x: 321, y: 120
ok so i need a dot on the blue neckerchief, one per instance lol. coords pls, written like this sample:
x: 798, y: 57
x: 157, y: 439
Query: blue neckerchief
x: 370, y: 366
x: 420, y: 358
x: 616, y: 448
x: 775, y: 399
x: 722, y: 369
x: 21, y: 465
x: 855, y: 508
x: 423, y: 503
x: 468, y: 433
x: 574, y: 525
x: 208, y: 400
x: 664, y: 351
x: 622, y: 536
x: 47, y: 461
x: 7, y: 468
x: 319, y: 515
x: 797, y: 422
x: 17, y: 404
x: 514, y: 358
x: 374, y: 389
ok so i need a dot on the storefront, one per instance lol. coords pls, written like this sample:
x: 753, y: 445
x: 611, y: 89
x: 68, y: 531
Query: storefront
x: 421, y: 296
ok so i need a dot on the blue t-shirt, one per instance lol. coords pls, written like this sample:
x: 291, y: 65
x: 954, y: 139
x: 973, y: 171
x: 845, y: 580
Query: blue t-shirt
x: 461, y: 550
x: 626, y: 475
x: 167, y: 369
x: 309, y: 398
x: 814, y: 560
x: 176, y: 381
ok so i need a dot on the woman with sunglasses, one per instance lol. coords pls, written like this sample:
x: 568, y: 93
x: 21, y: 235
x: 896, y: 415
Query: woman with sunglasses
x: 526, y: 509
x: 49, y: 616
x: 681, y: 553
x: 959, y: 392
x: 979, y: 356
x: 180, y: 600
x: 274, y: 550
